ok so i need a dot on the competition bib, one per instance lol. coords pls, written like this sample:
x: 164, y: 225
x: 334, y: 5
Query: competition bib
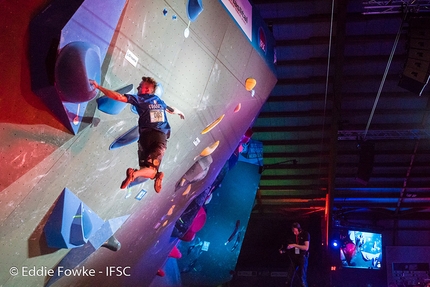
x: 157, y: 116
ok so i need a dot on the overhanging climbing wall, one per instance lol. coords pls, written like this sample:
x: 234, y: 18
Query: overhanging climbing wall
x: 203, y: 75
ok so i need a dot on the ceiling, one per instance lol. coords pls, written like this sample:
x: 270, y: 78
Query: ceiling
x: 338, y: 130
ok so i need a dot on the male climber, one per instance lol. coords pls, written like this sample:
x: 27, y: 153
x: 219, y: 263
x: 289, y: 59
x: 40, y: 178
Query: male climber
x: 154, y: 129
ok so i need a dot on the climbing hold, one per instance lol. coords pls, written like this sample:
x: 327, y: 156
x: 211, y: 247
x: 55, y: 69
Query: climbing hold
x: 250, y: 84
x: 212, y: 125
x: 210, y: 149
x: 238, y: 107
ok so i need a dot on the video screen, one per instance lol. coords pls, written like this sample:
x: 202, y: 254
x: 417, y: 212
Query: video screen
x: 360, y: 249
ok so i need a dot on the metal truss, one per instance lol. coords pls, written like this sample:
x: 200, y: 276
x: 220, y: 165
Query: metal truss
x: 395, y: 6
x: 381, y: 135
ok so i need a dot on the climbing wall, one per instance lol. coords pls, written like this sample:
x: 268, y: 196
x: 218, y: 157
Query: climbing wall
x: 203, y: 75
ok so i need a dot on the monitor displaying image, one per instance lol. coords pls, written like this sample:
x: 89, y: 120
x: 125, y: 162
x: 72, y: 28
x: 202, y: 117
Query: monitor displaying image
x: 359, y: 249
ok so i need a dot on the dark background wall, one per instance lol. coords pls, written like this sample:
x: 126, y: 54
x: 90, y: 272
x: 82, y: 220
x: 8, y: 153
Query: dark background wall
x: 260, y: 264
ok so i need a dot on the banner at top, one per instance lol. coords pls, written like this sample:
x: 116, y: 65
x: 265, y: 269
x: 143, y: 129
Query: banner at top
x: 241, y: 10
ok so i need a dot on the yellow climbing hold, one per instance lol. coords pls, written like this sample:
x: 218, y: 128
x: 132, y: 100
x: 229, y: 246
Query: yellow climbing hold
x: 212, y: 125
x: 210, y: 149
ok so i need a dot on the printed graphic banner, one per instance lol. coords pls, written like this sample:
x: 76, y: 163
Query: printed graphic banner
x: 241, y: 10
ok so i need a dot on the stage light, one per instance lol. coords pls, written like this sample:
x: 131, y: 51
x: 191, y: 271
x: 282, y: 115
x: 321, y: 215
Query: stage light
x: 335, y: 243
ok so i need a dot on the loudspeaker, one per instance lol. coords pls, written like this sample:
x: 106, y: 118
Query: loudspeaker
x: 414, y: 81
x: 365, y: 164
x: 422, y: 44
x: 420, y: 32
x: 416, y: 73
x: 417, y: 64
x: 422, y: 55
